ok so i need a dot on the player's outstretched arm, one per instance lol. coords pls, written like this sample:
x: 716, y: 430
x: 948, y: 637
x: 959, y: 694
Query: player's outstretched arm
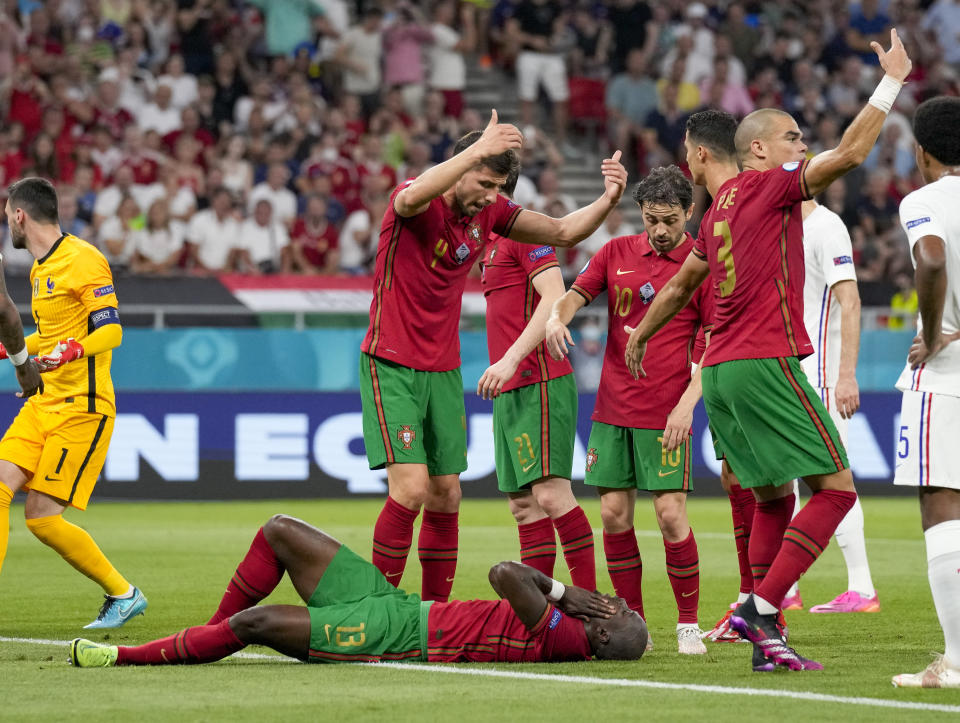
x: 862, y: 133
x: 536, y: 228
x: 549, y: 284
x: 11, y: 338
x: 668, y: 303
x: 556, y: 332
x: 497, y: 138
x: 930, y: 253
x: 528, y: 590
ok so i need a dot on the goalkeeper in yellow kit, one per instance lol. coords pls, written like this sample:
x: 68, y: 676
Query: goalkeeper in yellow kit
x: 57, y: 444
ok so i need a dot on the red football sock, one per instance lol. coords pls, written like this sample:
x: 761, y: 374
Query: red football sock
x: 437, y: 547
x: 769, y: 523
x: 743, y: 505
x: 392, y: 536
x: 804, y: 541
x: 683, y: 569
x: 258, y: 573
x: 538, y: 545
x: 625, y: 567
x: 576, y: 536
x: 200, y: 644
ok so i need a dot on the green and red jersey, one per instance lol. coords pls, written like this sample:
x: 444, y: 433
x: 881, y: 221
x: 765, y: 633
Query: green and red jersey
x: 752, y: 238
x: 632, y: 273
x: 422, y: 267
x: 509, y: 268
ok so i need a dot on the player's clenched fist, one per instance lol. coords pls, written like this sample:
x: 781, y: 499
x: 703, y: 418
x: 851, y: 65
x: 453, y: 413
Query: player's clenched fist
x: 64, y: 352
x: 498, y: 137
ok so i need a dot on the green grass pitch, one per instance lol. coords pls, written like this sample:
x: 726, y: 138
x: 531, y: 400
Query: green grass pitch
x: 182, y: 555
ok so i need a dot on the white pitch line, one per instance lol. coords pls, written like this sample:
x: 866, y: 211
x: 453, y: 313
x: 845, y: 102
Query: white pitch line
x: 614, y: 682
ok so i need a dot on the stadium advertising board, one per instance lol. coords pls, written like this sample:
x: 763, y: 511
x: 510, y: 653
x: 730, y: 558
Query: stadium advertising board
x: 260, y: 445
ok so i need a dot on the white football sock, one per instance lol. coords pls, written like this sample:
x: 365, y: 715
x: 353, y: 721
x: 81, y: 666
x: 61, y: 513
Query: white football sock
x: 943, y: 570
x: 764, y: 607
x: 742, y: 597
x: 854, y: 548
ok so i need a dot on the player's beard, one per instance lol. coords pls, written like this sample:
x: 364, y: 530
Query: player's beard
x: 666, y: 245
x: 18, y: 239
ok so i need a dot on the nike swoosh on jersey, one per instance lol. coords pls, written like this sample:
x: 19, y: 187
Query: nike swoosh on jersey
x: 449, y: 579
x: 48, y: 478
x: 661, y: 473
x: 621, y: 272
x: 394, y: 574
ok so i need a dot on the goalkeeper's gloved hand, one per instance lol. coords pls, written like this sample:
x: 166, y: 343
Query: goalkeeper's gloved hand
x: 66, y: 351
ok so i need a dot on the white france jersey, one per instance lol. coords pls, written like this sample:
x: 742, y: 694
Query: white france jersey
x: 828, y: 255
x: 934, y: 211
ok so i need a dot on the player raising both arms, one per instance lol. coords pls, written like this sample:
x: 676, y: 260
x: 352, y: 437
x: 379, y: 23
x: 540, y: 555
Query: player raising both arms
x: 927, y: 455
x: 414, y: 421
x: 534, y: 406
x: 353, y: 615
x: 57, y: 444
x: 640, y: 433
x: 767, y: 419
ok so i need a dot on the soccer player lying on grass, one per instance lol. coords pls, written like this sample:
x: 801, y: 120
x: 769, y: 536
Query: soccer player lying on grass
x: 354, y: 615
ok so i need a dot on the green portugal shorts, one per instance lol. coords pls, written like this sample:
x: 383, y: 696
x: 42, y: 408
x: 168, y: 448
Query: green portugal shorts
x: 534, y: 429
x: 412, y: 416
x: 357, y: 616
x: 769, y: 422
x: 628, y: 458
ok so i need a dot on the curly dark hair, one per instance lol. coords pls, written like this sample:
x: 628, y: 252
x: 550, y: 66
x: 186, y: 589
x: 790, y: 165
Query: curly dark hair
x: 936, y: 126
x: 715, y: 130
x: 503, y: 164
x: 666, y: 185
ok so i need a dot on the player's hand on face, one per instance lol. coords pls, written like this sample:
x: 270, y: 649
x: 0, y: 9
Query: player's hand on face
x: 28, y: 375
x: 557, y: 336
x: 582, y: 603
x: 633, y: 354
x: 614, y: 177
x: 895, y: 62
x: 919, y: 353
x: 496, y: 375
x: 847, y: 397
x: 499, y: 137
x: 677, y: 428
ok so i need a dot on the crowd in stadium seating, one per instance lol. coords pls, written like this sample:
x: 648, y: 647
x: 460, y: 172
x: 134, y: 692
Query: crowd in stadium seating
x: 266, y: 135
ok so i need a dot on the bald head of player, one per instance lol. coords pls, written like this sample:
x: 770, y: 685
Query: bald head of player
x: 33, y: 213
x: 936, y: 129
x: 623, y: 636
x: 665, y: 198
x: 768, y: 138
x: 709, y: 143
x: 478, y: 187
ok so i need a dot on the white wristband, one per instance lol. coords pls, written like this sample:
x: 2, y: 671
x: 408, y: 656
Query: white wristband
x: 556, y: 591
x: 886, y: 93
x: 20, y: 358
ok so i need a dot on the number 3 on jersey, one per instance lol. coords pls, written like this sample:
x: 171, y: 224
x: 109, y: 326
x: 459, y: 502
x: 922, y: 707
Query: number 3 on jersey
x: 725, y: 257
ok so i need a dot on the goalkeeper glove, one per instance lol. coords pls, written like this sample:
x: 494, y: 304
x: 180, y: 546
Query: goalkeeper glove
x: 66, y: 351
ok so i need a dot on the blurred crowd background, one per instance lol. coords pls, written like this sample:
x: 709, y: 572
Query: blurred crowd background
x: 204, y: 136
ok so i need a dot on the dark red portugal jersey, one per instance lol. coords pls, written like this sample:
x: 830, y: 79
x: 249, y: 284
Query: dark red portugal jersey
x: 752, y: 237
x: 488, y: 631
x: 422, y: 267
x: 632, y: 273
x: 509, y: 268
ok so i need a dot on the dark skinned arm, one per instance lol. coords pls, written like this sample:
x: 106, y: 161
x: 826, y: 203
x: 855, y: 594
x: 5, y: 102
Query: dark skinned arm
x: 930, y: 253
x: 526, y: 590
x: 11, y: 336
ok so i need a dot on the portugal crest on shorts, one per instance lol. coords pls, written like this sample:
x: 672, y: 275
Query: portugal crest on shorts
x: 591, y: 458
x: 406, y: 435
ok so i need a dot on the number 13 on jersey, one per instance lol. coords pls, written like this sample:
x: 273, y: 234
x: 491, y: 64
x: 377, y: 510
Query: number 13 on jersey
x: 725, y: 257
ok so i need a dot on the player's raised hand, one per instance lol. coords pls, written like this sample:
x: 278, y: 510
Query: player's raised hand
x: 557, y: 336
x: 498, y: 137
x: 919, y: 353
x: 66, y: 351
x: 895, y: 62
x: 634, y: 351
x: 495, y: 376
x: 614, y: 177
x: 28, y: 376
x: 583, y: 603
